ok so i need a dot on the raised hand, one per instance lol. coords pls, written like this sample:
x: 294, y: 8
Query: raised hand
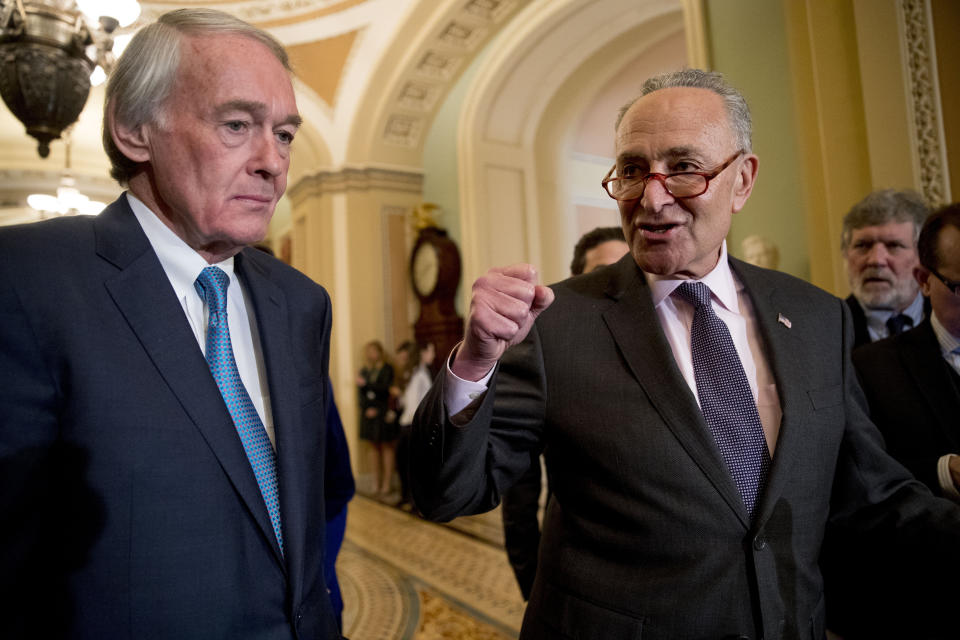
x: 504, y: 304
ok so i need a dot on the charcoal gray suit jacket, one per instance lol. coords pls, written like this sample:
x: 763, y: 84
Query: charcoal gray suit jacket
x: 129, y: 507
x: 645, y: 535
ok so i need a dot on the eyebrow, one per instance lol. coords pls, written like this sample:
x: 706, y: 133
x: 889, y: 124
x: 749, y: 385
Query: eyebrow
x: 671, y: 154
x: 256, y: 109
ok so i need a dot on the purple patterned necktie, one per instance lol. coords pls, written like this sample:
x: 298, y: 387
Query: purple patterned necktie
x: 212, y: 285
x: 725, y: 398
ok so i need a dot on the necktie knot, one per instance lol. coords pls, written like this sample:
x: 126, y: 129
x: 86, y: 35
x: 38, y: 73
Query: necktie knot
x: 212, y: 285
x: 898, y: 323
x: 696, y: 293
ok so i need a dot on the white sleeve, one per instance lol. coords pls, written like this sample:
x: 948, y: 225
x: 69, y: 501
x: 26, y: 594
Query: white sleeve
x: 459, y: 392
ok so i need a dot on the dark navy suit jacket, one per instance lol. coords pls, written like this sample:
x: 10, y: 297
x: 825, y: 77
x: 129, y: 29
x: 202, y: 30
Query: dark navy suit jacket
x: 129, y: 508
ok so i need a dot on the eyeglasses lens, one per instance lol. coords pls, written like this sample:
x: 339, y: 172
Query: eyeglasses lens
x: 682, y: 185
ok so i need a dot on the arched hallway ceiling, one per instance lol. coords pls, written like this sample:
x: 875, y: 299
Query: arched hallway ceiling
x: 371, y: 73
x: 408, y: 85
x: 348, y: 55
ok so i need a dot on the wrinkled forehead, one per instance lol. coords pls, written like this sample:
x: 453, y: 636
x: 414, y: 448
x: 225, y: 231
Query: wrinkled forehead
x: 888, y: 231
x: 210, y: 56
x: 221, y: 69
x: 675, y: 118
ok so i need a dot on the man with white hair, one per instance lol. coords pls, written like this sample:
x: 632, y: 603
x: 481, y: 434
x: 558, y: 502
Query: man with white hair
x: 164, y: 388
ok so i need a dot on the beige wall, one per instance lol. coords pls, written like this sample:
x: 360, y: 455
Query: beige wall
x: 829, y: 82
x: 748, y: 46
x: 834, y: 166
x: 350, y: 235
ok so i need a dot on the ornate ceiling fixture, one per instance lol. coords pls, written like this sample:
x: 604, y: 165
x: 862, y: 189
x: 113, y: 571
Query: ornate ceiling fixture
x: 69, y: 200
x: 48, y: 50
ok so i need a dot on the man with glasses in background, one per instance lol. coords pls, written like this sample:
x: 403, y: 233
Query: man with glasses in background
x: 698, y: 416
x: 912, y: 381
x: 912, y: 385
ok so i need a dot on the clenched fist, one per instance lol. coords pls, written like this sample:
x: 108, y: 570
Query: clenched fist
x: 504, y: 304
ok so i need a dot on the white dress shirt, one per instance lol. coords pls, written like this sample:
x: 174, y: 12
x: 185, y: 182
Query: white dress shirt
x: 183, y: 265
x: 730, y: 302
x: 417, y: 388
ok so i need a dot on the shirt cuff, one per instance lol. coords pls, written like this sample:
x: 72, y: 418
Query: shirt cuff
x: 459, y: 393
x: 946, y: 479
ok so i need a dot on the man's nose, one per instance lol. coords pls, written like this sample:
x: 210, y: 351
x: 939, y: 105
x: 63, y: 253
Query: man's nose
x: 268, y: 159
x: 655, y: 195
x: 877, y: 254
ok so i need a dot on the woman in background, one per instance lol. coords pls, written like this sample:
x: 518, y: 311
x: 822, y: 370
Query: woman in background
x: 373, y: 383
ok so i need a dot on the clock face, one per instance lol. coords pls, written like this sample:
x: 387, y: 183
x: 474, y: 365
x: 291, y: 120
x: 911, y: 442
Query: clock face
x: 426, y: 268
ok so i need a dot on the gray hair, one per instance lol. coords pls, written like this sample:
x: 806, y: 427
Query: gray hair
x: 733, y: 100
x: 143, y: 78
x: 882, y: 207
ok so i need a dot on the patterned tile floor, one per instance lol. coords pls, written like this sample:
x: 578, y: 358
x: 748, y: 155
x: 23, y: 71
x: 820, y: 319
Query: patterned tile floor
x: 403, y: 577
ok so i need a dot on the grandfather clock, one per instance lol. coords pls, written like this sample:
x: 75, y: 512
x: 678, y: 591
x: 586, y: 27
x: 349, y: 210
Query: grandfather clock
x: 435, y: 275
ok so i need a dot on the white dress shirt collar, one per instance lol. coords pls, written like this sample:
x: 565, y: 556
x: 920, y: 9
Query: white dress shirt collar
x: 720, y: 281
x: 181, y: 263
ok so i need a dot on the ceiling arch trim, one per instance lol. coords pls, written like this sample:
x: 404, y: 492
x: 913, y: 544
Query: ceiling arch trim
x: 433, y: 51
x: 536, y: 53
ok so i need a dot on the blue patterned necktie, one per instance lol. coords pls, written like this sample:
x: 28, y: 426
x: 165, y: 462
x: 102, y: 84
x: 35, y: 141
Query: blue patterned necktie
x: 212, y: 285
x: 725, y: 397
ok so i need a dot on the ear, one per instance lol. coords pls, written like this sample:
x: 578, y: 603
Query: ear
x: 746, y: 178
x: 133, y: 142
x: 922, y: 275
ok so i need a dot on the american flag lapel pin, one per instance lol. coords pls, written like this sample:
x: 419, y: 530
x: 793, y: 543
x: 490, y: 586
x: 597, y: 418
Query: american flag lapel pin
x: 784, y: 320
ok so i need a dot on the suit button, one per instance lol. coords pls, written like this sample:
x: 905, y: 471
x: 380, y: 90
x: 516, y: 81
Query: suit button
x: 760, y: 543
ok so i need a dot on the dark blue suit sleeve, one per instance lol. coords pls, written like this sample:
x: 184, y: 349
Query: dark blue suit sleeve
x: 339, y: 484
x: 42, y: 493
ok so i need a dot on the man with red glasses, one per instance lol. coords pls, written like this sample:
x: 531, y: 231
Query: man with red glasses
x: 699, y: 417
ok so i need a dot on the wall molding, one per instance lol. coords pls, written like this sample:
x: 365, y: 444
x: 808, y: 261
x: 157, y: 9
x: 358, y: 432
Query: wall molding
x: 436, y: 68
x: 354, y: 179
x: 924, y: 97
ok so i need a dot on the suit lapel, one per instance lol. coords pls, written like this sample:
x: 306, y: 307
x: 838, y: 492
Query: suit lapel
x: 144, y: 296
x: 920, y: 354
x: 271, y: 310
x: 783, y: 348
x: 636, y: 329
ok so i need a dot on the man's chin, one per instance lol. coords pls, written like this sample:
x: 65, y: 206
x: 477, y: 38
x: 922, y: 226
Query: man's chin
x: 876, y: 300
